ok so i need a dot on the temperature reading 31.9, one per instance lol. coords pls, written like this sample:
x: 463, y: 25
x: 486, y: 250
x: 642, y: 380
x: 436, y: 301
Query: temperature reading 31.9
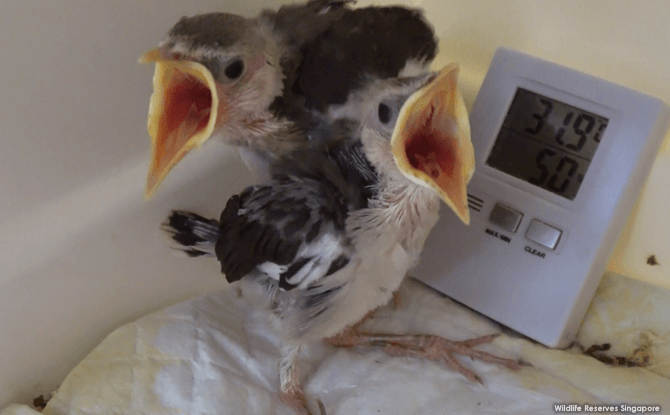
x: 547, y: 143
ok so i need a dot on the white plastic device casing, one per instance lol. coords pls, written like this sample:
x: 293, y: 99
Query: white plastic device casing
x: 543, y: 293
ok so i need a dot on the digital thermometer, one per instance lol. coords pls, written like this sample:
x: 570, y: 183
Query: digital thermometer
x: 560, y: 160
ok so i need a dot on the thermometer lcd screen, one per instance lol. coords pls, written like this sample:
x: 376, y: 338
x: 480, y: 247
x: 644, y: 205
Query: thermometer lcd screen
x: 547, y: 143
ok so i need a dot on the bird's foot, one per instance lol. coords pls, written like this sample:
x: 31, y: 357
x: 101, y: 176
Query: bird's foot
x: 428, y: 347
x: 290, y: 390
x: 296, y: 400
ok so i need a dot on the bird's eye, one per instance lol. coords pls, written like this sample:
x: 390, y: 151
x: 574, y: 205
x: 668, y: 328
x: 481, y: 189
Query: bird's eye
x: 234, y: 70
x: 384, y: 113
x: 176, y: 56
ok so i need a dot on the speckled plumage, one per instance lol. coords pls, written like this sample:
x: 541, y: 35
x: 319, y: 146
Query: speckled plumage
x: 329, y: 238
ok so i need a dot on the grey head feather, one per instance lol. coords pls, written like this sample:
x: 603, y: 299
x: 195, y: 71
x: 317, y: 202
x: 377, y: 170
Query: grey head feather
x: 301, y: 22
x: 220, y: 30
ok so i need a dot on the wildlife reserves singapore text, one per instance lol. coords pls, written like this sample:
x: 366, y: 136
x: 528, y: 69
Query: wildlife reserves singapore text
x: 623, y: 408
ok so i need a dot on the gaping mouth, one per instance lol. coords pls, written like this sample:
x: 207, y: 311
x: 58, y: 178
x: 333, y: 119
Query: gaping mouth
x: 431, y: 141
x: 183, y: 111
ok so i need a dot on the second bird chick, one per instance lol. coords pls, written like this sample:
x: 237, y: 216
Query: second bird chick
x: 332, y: 235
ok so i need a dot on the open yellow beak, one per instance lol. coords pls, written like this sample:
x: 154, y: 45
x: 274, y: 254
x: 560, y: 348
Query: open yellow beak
x: 431, y: 141
x: 183, y: 111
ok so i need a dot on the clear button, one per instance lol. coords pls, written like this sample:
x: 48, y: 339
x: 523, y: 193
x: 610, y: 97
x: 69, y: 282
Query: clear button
x: 505, y: 217
x: 543, y: 234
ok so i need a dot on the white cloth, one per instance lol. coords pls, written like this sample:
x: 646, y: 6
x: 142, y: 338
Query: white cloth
x: 216, y: 355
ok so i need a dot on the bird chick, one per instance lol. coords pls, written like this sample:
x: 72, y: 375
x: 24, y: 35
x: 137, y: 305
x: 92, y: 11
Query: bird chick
x: 266, y: 84
x: 333, y: 234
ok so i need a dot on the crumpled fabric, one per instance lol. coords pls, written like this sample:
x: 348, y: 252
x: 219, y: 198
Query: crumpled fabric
x: 217, y: 354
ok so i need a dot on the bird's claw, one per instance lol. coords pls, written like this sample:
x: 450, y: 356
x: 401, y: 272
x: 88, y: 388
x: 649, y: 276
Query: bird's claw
x: 296, y: 400
x: 438, y: 348
x: 429, y: 347
x: 322, y: 407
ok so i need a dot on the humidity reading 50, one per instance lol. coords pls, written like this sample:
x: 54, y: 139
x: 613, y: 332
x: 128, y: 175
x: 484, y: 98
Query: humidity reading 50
x: 547, y: 143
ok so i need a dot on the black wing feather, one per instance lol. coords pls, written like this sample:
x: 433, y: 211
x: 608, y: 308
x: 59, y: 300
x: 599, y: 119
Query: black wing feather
x: 310, y: 196
x: 247, y: 241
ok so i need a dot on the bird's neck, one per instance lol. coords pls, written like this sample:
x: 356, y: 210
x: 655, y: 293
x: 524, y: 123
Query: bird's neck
x: 416, y: 210
x: 403, y: 211
x: 263, y: 132
x: 409, y: 204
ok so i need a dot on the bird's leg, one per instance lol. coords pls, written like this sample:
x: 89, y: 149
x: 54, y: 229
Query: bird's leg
x: 336, y: 341
x: 290, y: 391
x: 397, y: 302
x: 426, y: 346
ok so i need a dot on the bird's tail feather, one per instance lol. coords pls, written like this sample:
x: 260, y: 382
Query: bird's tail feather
x: 192, y: 234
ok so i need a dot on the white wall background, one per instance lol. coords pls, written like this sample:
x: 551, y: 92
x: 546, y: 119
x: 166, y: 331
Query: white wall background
x: 80, y: 251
